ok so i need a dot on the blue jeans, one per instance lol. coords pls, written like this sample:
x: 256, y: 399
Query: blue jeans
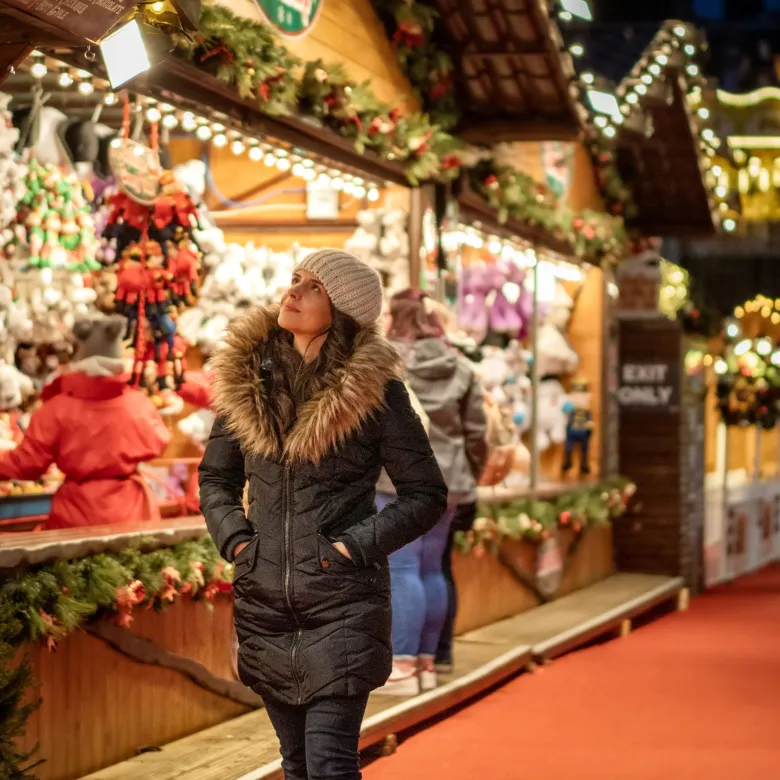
x: 319, y: 741
x: 419, y: 589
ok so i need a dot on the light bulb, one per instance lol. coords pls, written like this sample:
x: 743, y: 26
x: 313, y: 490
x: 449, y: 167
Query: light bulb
x: 764, y: 347
x: 256, y: 154
x: 679, y: 31
x: 373, y: 194
x: 721, y: 192
x: 610, y: 131
x: 692, y: 69
x: 662, y: 59
x: 721, y: 367
x: 632, y: 98
x: 588, y: 77
x: 188, y: 122
x: 218, y: 128
x: 220, y: 139
x: 565, y: 16
x: 647, y: 79
x: 600, y: 121
x: 641, y: 89
x: 708, y: 134
x: 269, y: 159
x: 729, y: 225
x: 153, y: 114
x: 337, y: 184
x: 110, y: 98
x: 323, y: 179
x: 308, y: 163
x: 170, y: 121
x: 655, y: 69
x: 577, y: 50
x: 38, y: 70
x: 203, y: 132
x: 283, y: 164
x: 704, y: 113
x: 65, y: 79
x: 237, y: 146
x: 360, y: 191
x: 732, y: 331
x: 158, y: 7
x: 690, y: 49
x: 309, y: 174
x: 298, y: 169
x: 349, y: 187
x: 86, y: 87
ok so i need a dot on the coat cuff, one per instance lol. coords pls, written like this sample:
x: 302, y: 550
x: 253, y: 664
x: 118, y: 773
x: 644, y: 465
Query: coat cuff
x: 232, y: 543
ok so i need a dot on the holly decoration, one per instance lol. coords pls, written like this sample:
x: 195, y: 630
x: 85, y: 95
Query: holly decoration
x: 534, y: 521
x: 244, y: 55
x: 54, y: 222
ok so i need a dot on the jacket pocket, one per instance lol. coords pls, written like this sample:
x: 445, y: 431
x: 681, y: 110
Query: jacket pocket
x: 328, y: 555
x: 244, y: 562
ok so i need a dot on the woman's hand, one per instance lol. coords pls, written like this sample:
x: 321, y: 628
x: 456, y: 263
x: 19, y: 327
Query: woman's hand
x: 238, y: 548
x: 341, y: 548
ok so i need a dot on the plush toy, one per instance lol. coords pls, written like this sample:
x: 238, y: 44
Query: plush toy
x: 579, y: 426
x: 15, y: 389
x: 550, y: 406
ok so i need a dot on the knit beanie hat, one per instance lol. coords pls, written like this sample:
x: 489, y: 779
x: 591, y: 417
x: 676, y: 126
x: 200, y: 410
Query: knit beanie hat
x: 353, y: 287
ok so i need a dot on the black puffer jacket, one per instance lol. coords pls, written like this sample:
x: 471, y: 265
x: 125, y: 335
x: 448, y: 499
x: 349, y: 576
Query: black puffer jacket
x: 311, y: 623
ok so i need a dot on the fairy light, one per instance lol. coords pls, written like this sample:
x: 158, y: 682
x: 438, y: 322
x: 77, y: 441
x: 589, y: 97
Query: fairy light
x: 283, y: 164
x: 188, y: 122
x: 641, y: 89
x: 256, y: 154
x: 38, y: 69
x: 220, y: 140
x: 203, y: 132
x: 237, y: 147
x: 373, y: 194
x: 270, y: 160
x: 729, y: 225
x: 632, y: 98
x: 337, y: 183
x: 661, y: 59
x: 577, y: 50
x: 647, y: 79
x: 610, y: 131
x: 309, y: 174
x: 692, y: 69
x: 690, y: 49
x: 153, y: 114
x: 739, y: 312
x: 655, y: 69
x: 65, y: 80
x: 298, y: 169
x: 170, y: 121
x: 86, y: 87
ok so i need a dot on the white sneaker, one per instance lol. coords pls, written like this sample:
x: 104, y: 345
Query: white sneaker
x: 428, y: 679
x: 403, y: 680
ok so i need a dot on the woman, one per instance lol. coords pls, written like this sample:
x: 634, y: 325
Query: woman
x: 97, y: 430
x: 310, y: 405
x: 446, y: 387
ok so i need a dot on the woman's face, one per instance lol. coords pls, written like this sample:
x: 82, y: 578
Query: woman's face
x: 306, y: 307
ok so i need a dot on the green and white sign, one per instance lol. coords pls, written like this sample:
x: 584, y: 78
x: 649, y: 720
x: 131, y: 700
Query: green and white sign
x: 291, y: 18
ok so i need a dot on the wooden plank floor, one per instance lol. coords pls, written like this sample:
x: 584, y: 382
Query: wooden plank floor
x: 246, y: 749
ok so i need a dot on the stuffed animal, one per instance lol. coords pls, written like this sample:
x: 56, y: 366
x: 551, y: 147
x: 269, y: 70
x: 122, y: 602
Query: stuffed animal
x: 15, y: 389
x: 550, y: 406
x: 579, y: 426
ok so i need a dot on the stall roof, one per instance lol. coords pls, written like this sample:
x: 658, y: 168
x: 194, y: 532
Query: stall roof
x: 659, y: 152
x: 514, y: 75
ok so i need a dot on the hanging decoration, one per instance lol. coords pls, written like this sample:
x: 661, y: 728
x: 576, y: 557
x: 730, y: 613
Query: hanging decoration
x: 53, y: 226
x: 151, y: 219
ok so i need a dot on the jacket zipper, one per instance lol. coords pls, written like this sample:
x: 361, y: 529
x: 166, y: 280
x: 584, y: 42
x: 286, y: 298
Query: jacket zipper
x: 288, y: 585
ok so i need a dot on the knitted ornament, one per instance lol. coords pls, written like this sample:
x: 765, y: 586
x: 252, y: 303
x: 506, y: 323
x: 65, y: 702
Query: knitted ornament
x: 353, y: 287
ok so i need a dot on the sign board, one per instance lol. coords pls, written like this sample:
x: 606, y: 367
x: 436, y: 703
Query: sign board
x: 649, y: 386
x: 322, y: 201
x: 291, y: 18
x: 87, y: 20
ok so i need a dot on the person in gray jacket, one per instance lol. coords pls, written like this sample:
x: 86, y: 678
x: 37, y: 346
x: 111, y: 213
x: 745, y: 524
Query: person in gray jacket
x: 447, y: 389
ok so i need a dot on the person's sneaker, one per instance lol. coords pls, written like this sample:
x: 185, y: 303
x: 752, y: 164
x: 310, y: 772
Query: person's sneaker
x: 403, y: 680
x: 428, y: 679
x: 444, y: 667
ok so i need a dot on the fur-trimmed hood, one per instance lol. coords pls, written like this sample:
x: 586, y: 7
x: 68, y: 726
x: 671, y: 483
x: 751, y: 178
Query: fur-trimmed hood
x: 324, y: 421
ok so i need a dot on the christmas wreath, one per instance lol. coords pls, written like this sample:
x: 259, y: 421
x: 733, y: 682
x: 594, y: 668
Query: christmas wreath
x: 533, y: 521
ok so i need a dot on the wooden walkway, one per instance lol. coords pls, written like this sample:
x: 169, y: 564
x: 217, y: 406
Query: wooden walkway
x: 246, y: 748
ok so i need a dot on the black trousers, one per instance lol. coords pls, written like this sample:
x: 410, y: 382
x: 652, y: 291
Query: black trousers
x: 465, y: 515
x: 319, y: 741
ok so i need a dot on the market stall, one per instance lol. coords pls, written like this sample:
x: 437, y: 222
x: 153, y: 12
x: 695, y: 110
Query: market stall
x: 274, y: 151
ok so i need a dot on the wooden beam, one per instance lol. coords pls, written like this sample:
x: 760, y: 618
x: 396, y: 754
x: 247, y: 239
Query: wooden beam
x: 493, y: 131
x: 280, y: 226
x: 11, y: 56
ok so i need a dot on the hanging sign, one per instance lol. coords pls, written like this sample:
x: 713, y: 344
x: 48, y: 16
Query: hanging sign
x: 649, y: 386
x: 88, y: 20
x: 291, y: 18
x: 557, y: 162
x: 137, y: 169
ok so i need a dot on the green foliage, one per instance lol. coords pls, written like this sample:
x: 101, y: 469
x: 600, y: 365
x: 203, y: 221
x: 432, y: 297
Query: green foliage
x: 532, y: 520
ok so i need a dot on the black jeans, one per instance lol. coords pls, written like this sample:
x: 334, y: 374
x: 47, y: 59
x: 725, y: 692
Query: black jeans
x: 319, y: 741
x: 465, y: 515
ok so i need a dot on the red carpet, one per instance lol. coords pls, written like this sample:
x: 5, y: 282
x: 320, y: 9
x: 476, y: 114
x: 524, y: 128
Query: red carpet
x: 692, y: 696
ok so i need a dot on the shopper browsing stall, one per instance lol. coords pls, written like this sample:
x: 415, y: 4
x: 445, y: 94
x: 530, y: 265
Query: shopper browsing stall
x: 447, y: 389
x: 310, y: 406
x: 97, y: 430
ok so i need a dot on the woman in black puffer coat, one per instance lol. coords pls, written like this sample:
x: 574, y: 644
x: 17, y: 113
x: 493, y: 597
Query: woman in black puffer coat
x: 310, y: 406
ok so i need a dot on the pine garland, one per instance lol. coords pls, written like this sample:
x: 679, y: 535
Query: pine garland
x: 531, y: 520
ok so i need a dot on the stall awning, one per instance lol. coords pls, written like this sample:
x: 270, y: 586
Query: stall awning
x: 514, y: 76
x: 662, y: 143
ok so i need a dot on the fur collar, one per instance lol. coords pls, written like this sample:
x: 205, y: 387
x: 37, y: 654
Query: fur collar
x: 324, y: 421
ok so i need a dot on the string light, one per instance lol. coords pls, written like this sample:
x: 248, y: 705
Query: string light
x: 587, y: 77
x: 110, y: 99
x: 65, y: 79
x: 170, y: 121
x: 577, y: 50
x: 610, y: 131
x: 729, y: 225
x: 38, y: 69
x: 692, y: 69
x: 269, y: 159
x: 203, y: 132
x: 283, y: 164
x: 189, y: 123
x: 256, y: 153
x: 237, y: 147
x: 153, y: 114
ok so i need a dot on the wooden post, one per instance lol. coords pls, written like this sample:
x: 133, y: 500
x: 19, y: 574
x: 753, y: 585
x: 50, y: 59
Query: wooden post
x: 416, y: 210
x: 534, y: 470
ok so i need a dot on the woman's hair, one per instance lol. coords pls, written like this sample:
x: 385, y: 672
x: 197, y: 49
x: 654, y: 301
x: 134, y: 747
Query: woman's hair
x: 410, y: 320
x: 293, y: 380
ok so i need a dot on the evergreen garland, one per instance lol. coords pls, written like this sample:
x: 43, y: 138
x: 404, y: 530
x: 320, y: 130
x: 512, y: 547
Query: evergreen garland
x: 532, y: 520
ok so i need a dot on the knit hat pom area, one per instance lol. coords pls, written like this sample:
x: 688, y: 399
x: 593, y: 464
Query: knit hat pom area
x: 353, y: 287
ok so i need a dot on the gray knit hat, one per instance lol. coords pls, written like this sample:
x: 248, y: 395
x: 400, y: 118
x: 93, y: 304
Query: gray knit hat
x: 353, y: 287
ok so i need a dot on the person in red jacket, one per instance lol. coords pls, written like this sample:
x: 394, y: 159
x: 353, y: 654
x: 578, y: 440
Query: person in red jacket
x: 97, y: 430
